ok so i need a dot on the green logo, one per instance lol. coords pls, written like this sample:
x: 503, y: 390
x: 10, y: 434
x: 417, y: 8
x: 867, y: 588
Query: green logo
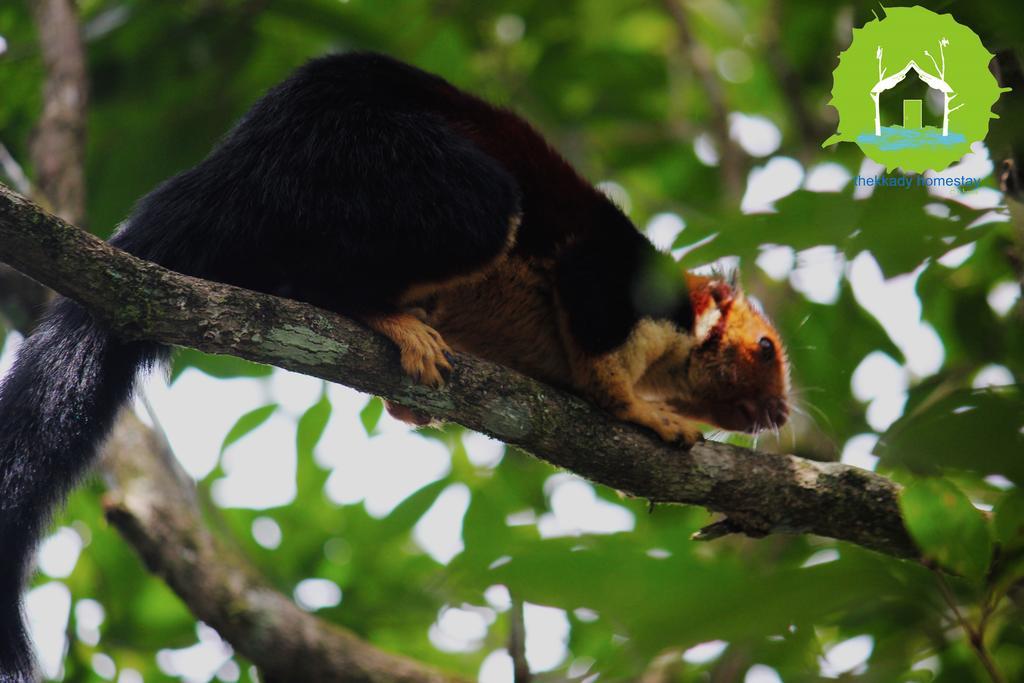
x: 914, y: 90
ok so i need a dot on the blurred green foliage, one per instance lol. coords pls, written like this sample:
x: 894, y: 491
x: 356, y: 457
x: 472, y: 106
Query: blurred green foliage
x: 608, y: 82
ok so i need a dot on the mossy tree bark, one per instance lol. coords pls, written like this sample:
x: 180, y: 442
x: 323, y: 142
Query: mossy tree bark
x: 759, y: 493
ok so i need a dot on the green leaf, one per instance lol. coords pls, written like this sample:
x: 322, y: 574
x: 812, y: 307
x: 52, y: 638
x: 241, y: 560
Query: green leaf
x: 370, y: 415
x: 311, y: 426
x: 722, y: 597
x: 976, y: 431
x: 1009, y: 516
x: 948, y: 529
x: 247, y: 423
x: 222, y: 367
x: 405, y: 515
x: 893, y: 225
x: 825, y: 368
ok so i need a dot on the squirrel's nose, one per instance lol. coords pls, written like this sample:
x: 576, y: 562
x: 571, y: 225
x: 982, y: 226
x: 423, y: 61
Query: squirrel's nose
x: 762, y: 413
x: 776, y: 410
x: 749, y: 410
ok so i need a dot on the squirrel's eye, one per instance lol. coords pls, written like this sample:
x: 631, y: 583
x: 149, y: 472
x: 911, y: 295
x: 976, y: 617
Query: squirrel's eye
x: 767, y: 348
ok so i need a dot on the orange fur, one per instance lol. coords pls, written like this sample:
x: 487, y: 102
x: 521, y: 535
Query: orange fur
x: 622, y: 381
x: 424, y: 353
x: 663, y: 378
x: 508, y: 316
x: 729, y: 382
x: 424, y: 291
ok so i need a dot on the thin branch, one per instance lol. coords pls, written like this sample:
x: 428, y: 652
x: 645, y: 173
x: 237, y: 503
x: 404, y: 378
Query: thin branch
x: 730, y: 155
x: 808, y: 126
x: 1009, y: 70
x: 58, y: 147
x: 14, y: 172
x: 759, y: 492
x: 153, y: 504
x: 517, y: 642
x: 975, y: 636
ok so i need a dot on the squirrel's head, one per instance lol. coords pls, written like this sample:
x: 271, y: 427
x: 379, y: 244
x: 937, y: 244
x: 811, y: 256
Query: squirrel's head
x: 736, y: 375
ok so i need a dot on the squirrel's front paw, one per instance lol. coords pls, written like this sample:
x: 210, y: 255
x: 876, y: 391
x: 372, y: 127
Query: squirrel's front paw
x: 666, y: 423
x: 425, y: 356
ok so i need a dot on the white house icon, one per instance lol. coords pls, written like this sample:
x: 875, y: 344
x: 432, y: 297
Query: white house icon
x: 885, y: 83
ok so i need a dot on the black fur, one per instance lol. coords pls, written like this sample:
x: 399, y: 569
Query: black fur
x: 56, y: 405
x: 610, y: 280
x: 353, y: 179
x: 335, y: 190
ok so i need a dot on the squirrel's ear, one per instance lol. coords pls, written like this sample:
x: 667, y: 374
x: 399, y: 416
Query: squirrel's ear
x: 706, y: 322
x: 710, y: 319
x: 734, y: 280
x: 723, y: 293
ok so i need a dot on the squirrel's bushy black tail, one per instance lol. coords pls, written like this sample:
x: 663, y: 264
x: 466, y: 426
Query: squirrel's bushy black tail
x: 56, y: 405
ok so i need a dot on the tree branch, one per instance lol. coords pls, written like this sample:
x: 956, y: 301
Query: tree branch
x: 731, y: 156
x: 58, y: 147
x: 517, y: 642
x: 1009, y: 69
x: 153, y: 504
x: 14, y: 172
x: 808, y: 126
x: 760, y: 493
